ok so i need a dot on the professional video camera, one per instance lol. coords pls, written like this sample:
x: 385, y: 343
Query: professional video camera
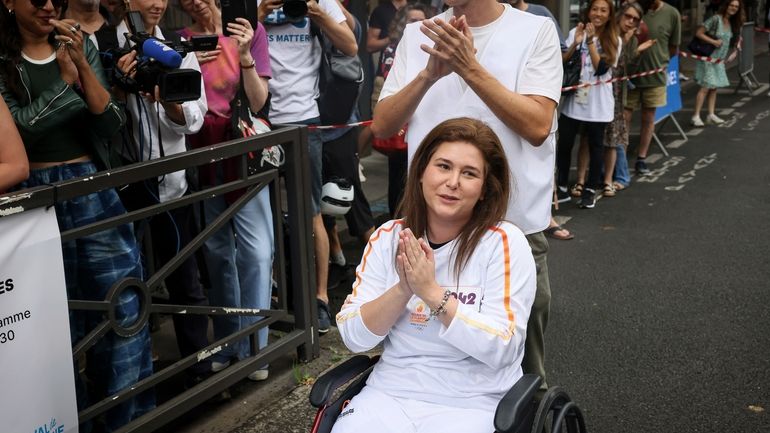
x: 158, y: 64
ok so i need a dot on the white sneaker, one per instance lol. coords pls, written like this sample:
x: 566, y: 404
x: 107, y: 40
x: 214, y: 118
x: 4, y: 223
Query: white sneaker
x: 712, y: 119
x: 338, y: 258
x: 219, y: 366
x: 695, y: 121
x: 258, y: 375
x: 361, y: 176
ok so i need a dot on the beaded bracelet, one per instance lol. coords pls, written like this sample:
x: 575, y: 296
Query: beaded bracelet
x: 441, y: 309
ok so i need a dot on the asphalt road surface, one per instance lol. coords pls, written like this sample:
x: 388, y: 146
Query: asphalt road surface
x: 660, y: 318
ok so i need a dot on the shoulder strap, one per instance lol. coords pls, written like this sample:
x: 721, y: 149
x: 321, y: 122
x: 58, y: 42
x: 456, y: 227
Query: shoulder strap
x: 315, y: 32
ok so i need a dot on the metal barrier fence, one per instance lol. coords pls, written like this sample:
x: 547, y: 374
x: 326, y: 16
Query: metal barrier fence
x: 301, y: 315
x: 746, y: 59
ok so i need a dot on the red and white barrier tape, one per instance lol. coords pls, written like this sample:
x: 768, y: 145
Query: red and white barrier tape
x: 341, y: 125
x: 706, y: 59
x: 615, y: 79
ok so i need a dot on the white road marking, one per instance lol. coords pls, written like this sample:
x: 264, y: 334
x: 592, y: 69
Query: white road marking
x: 652, y: 159
x: 694, y: 132
x: 690, y: 175
x: 676, y: 144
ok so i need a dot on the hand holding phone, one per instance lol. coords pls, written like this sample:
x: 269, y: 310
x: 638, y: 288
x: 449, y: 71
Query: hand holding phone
x: 232, y: 9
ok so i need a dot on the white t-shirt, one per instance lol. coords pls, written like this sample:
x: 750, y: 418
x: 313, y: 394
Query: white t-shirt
x: 522, y: 51
x: 477, y: 358
x: 538, y: 74
x: 599, y: 104
x: 295, y: 57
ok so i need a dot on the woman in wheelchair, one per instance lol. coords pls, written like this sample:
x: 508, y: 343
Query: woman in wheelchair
x: 447, y: 289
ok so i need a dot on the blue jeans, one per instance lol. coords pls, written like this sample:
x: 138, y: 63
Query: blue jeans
x: 315, y: 147
x: 621, y: 174
x: 239, y: 258
x: 92, y: 264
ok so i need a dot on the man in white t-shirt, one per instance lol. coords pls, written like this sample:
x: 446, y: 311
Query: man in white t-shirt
x: 487, y: 60
x: 295, y: 58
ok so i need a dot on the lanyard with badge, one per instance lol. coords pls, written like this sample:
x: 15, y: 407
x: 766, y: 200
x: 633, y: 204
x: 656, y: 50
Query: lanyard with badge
x: 581, y: 94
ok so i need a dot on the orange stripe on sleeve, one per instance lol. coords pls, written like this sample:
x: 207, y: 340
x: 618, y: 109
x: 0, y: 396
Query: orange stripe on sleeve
x: 507, y: 264
x: 369, y: 245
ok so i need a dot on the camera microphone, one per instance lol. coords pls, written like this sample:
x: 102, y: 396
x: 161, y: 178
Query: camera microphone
x: 162, y: 53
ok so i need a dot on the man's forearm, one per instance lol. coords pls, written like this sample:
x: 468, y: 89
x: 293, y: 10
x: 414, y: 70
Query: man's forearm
x: 530, y: 117
x: 394, y: 112
x: 339, y: 35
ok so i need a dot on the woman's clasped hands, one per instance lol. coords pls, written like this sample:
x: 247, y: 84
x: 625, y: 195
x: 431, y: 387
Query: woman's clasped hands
x: 416, y: 267
x: 69, y: 53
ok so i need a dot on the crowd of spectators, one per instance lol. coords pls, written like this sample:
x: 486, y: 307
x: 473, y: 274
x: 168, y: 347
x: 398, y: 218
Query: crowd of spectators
x: 74, y: 114
x: 67, y: 111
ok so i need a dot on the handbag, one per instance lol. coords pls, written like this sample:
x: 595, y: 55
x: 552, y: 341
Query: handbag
x: 700, y: 47
x: 244, y: 123
x: 340, y: 82
x: 572, y: 68
x: 392, y: 145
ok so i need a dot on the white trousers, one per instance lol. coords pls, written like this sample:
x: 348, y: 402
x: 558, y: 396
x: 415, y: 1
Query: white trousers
x: 372, y: 411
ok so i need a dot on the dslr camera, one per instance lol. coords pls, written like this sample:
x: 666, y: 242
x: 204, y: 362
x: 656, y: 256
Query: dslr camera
x: 158, y: 64
x: 295, y: 9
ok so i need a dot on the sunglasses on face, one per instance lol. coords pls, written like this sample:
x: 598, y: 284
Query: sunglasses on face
x: 631, y: 17
x: 57, y: 4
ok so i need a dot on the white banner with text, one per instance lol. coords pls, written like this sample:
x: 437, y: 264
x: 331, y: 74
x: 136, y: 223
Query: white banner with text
x: 36, y: 369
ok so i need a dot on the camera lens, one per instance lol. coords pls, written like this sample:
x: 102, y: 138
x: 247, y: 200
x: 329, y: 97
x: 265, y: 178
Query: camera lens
x: 295, y: 9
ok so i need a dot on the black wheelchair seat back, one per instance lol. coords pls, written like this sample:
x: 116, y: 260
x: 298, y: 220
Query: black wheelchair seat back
x: 322, y: 393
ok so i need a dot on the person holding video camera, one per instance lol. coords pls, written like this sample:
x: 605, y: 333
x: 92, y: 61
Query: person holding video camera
x: 240, y: 277
x: 156, y: 128
x: 53, y: 84
x: 295, y: 58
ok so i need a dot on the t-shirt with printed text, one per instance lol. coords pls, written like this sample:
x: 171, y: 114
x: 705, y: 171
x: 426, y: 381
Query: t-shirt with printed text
x: 295, y: 58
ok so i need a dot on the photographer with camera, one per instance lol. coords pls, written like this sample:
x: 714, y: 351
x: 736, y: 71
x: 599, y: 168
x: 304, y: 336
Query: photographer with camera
x: 157, y: 127
x: 53, y: 83
x: 295, y: 58
x: 240, y: 278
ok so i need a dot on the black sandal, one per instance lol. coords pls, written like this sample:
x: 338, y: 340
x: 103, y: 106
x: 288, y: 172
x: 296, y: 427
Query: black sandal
x: 576, y: 190
x: 551, y: 233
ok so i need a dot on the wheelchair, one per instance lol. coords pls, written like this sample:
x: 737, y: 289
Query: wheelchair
x: 521, y: 409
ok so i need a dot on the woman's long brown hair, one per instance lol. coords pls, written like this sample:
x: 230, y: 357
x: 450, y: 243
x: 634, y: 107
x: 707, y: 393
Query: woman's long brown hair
x: 608, y: 39
x: 492, y: 206
x: 736, y: 21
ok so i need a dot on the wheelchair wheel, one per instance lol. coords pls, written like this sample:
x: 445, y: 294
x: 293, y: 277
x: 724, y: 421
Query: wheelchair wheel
x: 557, y: 410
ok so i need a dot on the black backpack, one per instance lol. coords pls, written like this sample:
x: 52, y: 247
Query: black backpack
x: 340, y: 82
